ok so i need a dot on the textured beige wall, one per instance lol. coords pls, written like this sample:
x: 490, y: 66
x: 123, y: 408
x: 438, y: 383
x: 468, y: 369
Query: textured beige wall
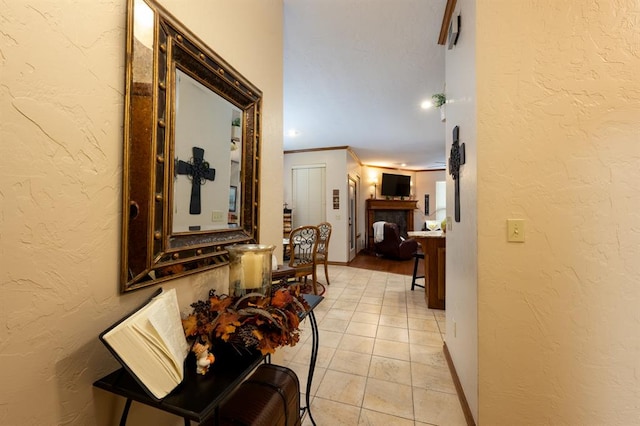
x: 61, y: 109
x: 558, y: 145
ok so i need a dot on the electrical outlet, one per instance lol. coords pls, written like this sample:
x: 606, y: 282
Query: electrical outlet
x: 515, y: 230
x: 217, y: 216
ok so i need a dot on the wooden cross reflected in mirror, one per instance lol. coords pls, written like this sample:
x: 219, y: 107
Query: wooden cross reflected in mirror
x: 199, y: 172
x: 456, y: 160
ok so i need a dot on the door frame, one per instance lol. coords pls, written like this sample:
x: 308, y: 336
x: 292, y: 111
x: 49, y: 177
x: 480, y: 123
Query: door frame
x: 352, y: 217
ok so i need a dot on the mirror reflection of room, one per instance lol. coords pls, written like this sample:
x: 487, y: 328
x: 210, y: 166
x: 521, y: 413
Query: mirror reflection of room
x: 207, y: 158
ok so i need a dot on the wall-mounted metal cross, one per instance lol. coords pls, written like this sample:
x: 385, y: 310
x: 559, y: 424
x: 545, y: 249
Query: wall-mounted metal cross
x: 198, y: 172
x: 456, y: 160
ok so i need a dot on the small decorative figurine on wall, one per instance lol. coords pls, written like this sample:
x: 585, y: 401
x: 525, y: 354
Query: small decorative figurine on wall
x: 456, y: 160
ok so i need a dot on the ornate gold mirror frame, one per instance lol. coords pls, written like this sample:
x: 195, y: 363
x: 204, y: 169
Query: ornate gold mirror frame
x: 160, y: 52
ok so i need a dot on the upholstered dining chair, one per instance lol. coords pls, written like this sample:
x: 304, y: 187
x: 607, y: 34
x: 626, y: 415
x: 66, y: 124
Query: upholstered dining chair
x: 303, y: 245
x: 322, y: 254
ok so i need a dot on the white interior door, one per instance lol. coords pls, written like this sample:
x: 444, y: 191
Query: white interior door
x: 308, y: 195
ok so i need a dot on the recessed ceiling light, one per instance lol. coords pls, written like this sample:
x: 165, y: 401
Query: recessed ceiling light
x: 426, y: 104
x: 293, y: 133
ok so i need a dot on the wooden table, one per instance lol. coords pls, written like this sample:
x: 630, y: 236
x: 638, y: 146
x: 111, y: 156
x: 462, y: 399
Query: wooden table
x: 433, y: 245
x: 283, y: 272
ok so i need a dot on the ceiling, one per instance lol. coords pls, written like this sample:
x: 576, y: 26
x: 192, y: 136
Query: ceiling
x: 355, y: 74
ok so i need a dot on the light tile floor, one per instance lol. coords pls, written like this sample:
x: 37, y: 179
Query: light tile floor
x: 380, y: 358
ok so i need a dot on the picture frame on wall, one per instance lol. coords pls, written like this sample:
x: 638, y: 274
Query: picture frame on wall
x: 426, y: 204
x: 233, y: 193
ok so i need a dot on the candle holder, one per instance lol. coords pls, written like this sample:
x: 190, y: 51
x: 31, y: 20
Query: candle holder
x: 250, y: 269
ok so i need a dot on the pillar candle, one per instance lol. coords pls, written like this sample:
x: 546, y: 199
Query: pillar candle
x: 252, y: 270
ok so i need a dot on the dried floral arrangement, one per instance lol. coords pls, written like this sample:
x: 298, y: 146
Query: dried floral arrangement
x: 249, y: 322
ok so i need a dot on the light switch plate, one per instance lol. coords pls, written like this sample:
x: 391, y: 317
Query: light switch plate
x: 515, y: 230
x: 217, y: 216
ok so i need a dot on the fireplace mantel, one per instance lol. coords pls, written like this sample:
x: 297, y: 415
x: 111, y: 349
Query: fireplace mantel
x: 391, y: 204
x: 378, y: 208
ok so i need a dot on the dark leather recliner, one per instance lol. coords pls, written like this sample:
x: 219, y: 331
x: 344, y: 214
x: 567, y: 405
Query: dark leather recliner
x: 392, y: 245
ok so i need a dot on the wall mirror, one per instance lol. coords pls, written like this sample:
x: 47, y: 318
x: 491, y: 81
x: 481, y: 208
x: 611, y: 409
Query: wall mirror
x: 191, y: 145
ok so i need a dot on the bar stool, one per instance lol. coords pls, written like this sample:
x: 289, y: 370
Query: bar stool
x: 417, y: 256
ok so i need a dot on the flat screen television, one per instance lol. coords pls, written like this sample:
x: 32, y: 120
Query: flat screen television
x: 395, y: 185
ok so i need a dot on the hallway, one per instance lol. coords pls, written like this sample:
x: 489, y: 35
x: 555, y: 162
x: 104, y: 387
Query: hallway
x: 380, y: 360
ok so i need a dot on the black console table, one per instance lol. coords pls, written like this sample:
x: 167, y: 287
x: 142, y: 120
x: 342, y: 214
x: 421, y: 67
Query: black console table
x: 198, y: 397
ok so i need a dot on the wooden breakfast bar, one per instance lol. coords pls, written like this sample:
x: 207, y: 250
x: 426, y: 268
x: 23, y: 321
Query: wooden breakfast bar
x: 433, y: 245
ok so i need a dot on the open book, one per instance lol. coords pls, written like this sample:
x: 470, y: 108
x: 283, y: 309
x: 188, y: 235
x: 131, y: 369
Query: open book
x: 150, y: 343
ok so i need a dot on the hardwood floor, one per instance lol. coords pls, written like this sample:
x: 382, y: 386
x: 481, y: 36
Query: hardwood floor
x: 365, y: 260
